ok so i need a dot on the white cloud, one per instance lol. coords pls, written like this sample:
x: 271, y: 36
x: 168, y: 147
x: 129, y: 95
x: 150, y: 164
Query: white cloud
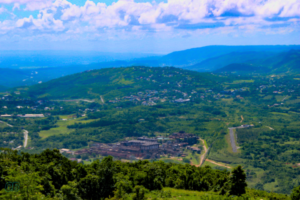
x: 30, y: 4
x: 16, y: 6
x: 2, y: 10
x: 129, y: 16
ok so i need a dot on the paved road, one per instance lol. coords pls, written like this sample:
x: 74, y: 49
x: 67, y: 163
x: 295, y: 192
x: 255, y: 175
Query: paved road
x: 102, y: 99
x: 25, y: 138
x: 232, y: 140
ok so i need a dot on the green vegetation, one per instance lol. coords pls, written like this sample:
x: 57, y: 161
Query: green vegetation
x: 50, y: 175
x: 144, y: 101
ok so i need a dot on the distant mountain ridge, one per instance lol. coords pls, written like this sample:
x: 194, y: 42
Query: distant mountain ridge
x: 219, y: 62
x: 203, y: 59
x: 286, y: 62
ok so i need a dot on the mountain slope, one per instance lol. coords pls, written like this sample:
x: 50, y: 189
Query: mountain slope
x: 118, y: 82
x: 286, y: 62
x: 227, y: 59
x: 238, y: 67
x: 197, y: 55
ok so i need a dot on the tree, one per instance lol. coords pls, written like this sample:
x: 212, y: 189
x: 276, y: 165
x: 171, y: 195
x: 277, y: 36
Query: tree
x: 296, y: 193
x: 139, y: 193
x: 70, y: 191
x: 238, y: 181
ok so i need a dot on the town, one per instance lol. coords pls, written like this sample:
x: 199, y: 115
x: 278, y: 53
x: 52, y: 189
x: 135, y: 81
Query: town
x: 143, y: 147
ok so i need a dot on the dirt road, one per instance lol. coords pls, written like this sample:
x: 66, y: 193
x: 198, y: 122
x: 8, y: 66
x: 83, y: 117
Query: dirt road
x: 205, y: 152
x: 6, y: 124
x: 202, y: 157
x: 242, y: 118
x: 219, y: 164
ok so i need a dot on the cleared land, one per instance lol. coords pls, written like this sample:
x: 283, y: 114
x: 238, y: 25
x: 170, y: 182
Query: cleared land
x: 63, y: 126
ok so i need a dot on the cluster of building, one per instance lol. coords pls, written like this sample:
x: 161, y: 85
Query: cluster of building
x: 25, y: 116
x: 144, y: 147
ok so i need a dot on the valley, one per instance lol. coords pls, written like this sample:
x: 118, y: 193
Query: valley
x: 109, y: 105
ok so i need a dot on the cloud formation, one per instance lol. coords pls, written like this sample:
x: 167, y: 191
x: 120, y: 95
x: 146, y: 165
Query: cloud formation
x: 127, y: 16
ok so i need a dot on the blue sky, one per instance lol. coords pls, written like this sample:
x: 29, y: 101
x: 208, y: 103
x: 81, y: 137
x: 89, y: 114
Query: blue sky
x: 160, y: 26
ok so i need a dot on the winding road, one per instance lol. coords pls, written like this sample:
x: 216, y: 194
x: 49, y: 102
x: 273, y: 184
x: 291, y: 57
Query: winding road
x: 202, y: 158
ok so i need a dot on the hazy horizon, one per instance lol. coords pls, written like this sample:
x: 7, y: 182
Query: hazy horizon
x: 145, y: 26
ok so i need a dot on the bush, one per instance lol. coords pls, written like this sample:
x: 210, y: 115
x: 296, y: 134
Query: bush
x: 296, y: 193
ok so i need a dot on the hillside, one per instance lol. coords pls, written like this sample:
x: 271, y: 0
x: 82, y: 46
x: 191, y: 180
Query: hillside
x: 288, y: 62
x: 241, y: 68
x: 118, y: 82
x: 285, y: 62
x: 197, y: 55
x: 219, y: 62
x: 50, y: 175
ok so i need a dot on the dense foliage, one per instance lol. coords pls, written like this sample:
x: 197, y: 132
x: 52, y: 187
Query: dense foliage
x: 51, y: 175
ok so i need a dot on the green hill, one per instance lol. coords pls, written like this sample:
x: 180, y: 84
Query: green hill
x: 119, y: 82
x: 288, y: 62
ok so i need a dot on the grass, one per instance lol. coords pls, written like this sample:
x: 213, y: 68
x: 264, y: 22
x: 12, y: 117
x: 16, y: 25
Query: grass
x: 242, y: 81
x: 62, y: 126
x: 268, y: 97
x: 180, y: 194
x: 293, y: 101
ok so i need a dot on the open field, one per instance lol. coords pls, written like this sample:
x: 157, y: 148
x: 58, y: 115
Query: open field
x: 62, y: 126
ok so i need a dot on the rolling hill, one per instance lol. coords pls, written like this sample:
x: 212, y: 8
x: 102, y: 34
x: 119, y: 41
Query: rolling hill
x: 118, y: 82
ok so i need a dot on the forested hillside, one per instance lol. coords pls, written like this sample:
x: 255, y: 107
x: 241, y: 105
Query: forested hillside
x: 217, y: 63
x: 280, y: 63
x: 49, y: 175
x: 119, y: 82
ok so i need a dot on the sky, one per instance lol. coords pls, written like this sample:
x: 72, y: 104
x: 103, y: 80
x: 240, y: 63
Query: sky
x: 146, y: 26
